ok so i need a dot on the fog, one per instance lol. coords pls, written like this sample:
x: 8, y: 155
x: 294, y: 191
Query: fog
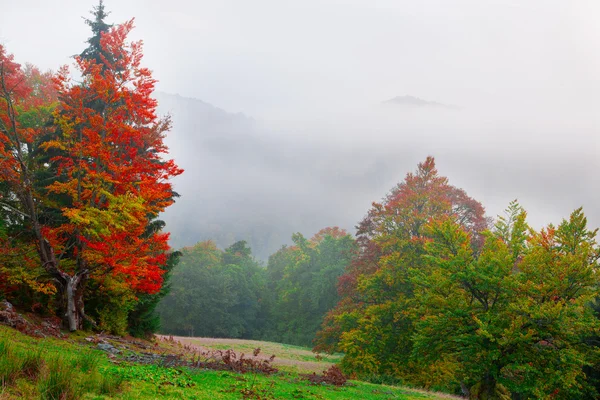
x: 303, y: 137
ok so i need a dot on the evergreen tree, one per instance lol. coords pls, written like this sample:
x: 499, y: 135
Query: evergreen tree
x: 144, y: 320
x: 95, y: 51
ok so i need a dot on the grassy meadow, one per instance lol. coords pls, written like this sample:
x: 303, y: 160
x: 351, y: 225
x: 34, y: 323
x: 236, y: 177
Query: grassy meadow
x: 73, y: 368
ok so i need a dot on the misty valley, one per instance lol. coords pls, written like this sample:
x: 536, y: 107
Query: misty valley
x: 406, y: 208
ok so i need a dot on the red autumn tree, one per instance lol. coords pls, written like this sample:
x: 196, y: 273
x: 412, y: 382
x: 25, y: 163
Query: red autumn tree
x: 27, y: 100
x: 112, y: 178
x: 102, y: 156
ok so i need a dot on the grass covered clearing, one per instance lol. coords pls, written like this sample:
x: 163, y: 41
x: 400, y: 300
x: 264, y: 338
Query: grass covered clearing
x: 73, y: 369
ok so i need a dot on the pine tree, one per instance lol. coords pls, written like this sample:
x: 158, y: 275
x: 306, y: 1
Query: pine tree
x: 95, y: 51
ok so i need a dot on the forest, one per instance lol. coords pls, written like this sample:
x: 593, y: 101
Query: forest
x: 429, y: 292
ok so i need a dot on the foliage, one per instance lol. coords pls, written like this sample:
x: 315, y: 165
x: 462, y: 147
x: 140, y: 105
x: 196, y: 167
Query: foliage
x: 514, y: 315
x: 144, y: 320
x: 214, y: 293
x: 331, y: 376
x: 301, y: 282
x: 154, y: 374
x: 229, y: 360
x: 372, y: 324
x: 82, y: 176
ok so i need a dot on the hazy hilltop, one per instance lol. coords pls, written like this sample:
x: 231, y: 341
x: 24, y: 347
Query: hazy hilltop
x: 242, y: 182
x: 412, y: 101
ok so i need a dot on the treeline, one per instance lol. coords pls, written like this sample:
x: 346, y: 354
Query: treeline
x: 430, y: 293
x: 226, y: 293
x: 82, y: 182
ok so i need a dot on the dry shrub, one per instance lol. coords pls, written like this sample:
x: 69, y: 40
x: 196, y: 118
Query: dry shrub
x: 331, y: 376
x: 228, y: 360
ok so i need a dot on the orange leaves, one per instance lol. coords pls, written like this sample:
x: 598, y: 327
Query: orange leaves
x: 109, y: 152
x: 26, y: 101
x: 137, y: 260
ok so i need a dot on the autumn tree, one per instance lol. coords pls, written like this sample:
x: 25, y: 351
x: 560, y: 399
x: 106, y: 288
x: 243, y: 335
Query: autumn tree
x: 372, y: 323
x: 27, y: 101
x: 111, y: 170
x: 101, y: 156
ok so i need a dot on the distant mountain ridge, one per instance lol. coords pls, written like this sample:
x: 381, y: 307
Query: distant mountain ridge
x: 243, y: 182
x: 413, y: 101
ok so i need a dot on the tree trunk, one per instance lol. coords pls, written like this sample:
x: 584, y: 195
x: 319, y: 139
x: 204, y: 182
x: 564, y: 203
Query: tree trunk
x: 465, y: 390
x: 73, y: 319
x: 74, y: 298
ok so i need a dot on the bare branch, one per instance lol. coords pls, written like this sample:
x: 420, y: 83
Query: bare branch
x: 11, y: 208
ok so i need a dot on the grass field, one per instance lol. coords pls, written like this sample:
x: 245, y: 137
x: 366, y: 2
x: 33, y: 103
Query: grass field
x: 81, y: 371
x: 287, y: 357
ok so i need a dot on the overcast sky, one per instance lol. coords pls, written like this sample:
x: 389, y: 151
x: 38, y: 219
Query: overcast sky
x: 525, y: 73
x: 263, y: 56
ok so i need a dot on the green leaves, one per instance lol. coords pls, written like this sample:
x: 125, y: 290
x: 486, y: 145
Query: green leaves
x: 215, y: 293
x: 516, y: 314
x: 302, y: 282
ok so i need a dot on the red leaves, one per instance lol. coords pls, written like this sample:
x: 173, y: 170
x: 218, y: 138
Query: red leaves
x: 110, y: 150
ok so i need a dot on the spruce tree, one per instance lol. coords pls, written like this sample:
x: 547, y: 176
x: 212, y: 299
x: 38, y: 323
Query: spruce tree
x: 99, y: 26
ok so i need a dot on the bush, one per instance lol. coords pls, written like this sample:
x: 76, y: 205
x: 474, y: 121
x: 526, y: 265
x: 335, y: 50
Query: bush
x: 331, y: 376
x: 114, y: 319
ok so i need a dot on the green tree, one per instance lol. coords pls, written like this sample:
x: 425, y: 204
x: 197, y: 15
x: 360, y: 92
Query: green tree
x: 372, y: 324
x: 302, y: 280
x: 143, y: 320
x: 95, y: 51
x: 214, y: 293
x: 514, y: 315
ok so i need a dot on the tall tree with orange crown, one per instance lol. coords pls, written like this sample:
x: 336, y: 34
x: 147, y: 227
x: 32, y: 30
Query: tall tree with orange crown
x: 372, y: 323
x: 110, y: 144
x: 104, y: 149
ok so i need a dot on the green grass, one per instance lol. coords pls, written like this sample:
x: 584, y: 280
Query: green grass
x: 72, y: 369
x: 52, y: 369
x: 227, y: 385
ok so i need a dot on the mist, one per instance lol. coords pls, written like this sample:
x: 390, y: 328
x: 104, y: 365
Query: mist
x: 282, y: 121
x: 258, y: 181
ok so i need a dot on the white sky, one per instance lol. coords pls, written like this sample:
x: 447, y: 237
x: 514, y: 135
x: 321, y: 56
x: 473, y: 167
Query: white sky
x: 526, y: 73
x: 267, y: 56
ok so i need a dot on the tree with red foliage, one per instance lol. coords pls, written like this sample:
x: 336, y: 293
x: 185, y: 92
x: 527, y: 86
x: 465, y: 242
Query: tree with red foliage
x: 111, y: 172
x: 27, y: 100
x: 105, y: 150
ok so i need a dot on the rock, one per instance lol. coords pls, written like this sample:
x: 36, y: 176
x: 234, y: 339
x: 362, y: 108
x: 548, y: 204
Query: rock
x: 10, y: 317
x: 6, y: 306
x: 109, y: 348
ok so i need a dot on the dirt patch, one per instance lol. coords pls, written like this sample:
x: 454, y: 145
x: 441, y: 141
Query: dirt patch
x: 284, y: 357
